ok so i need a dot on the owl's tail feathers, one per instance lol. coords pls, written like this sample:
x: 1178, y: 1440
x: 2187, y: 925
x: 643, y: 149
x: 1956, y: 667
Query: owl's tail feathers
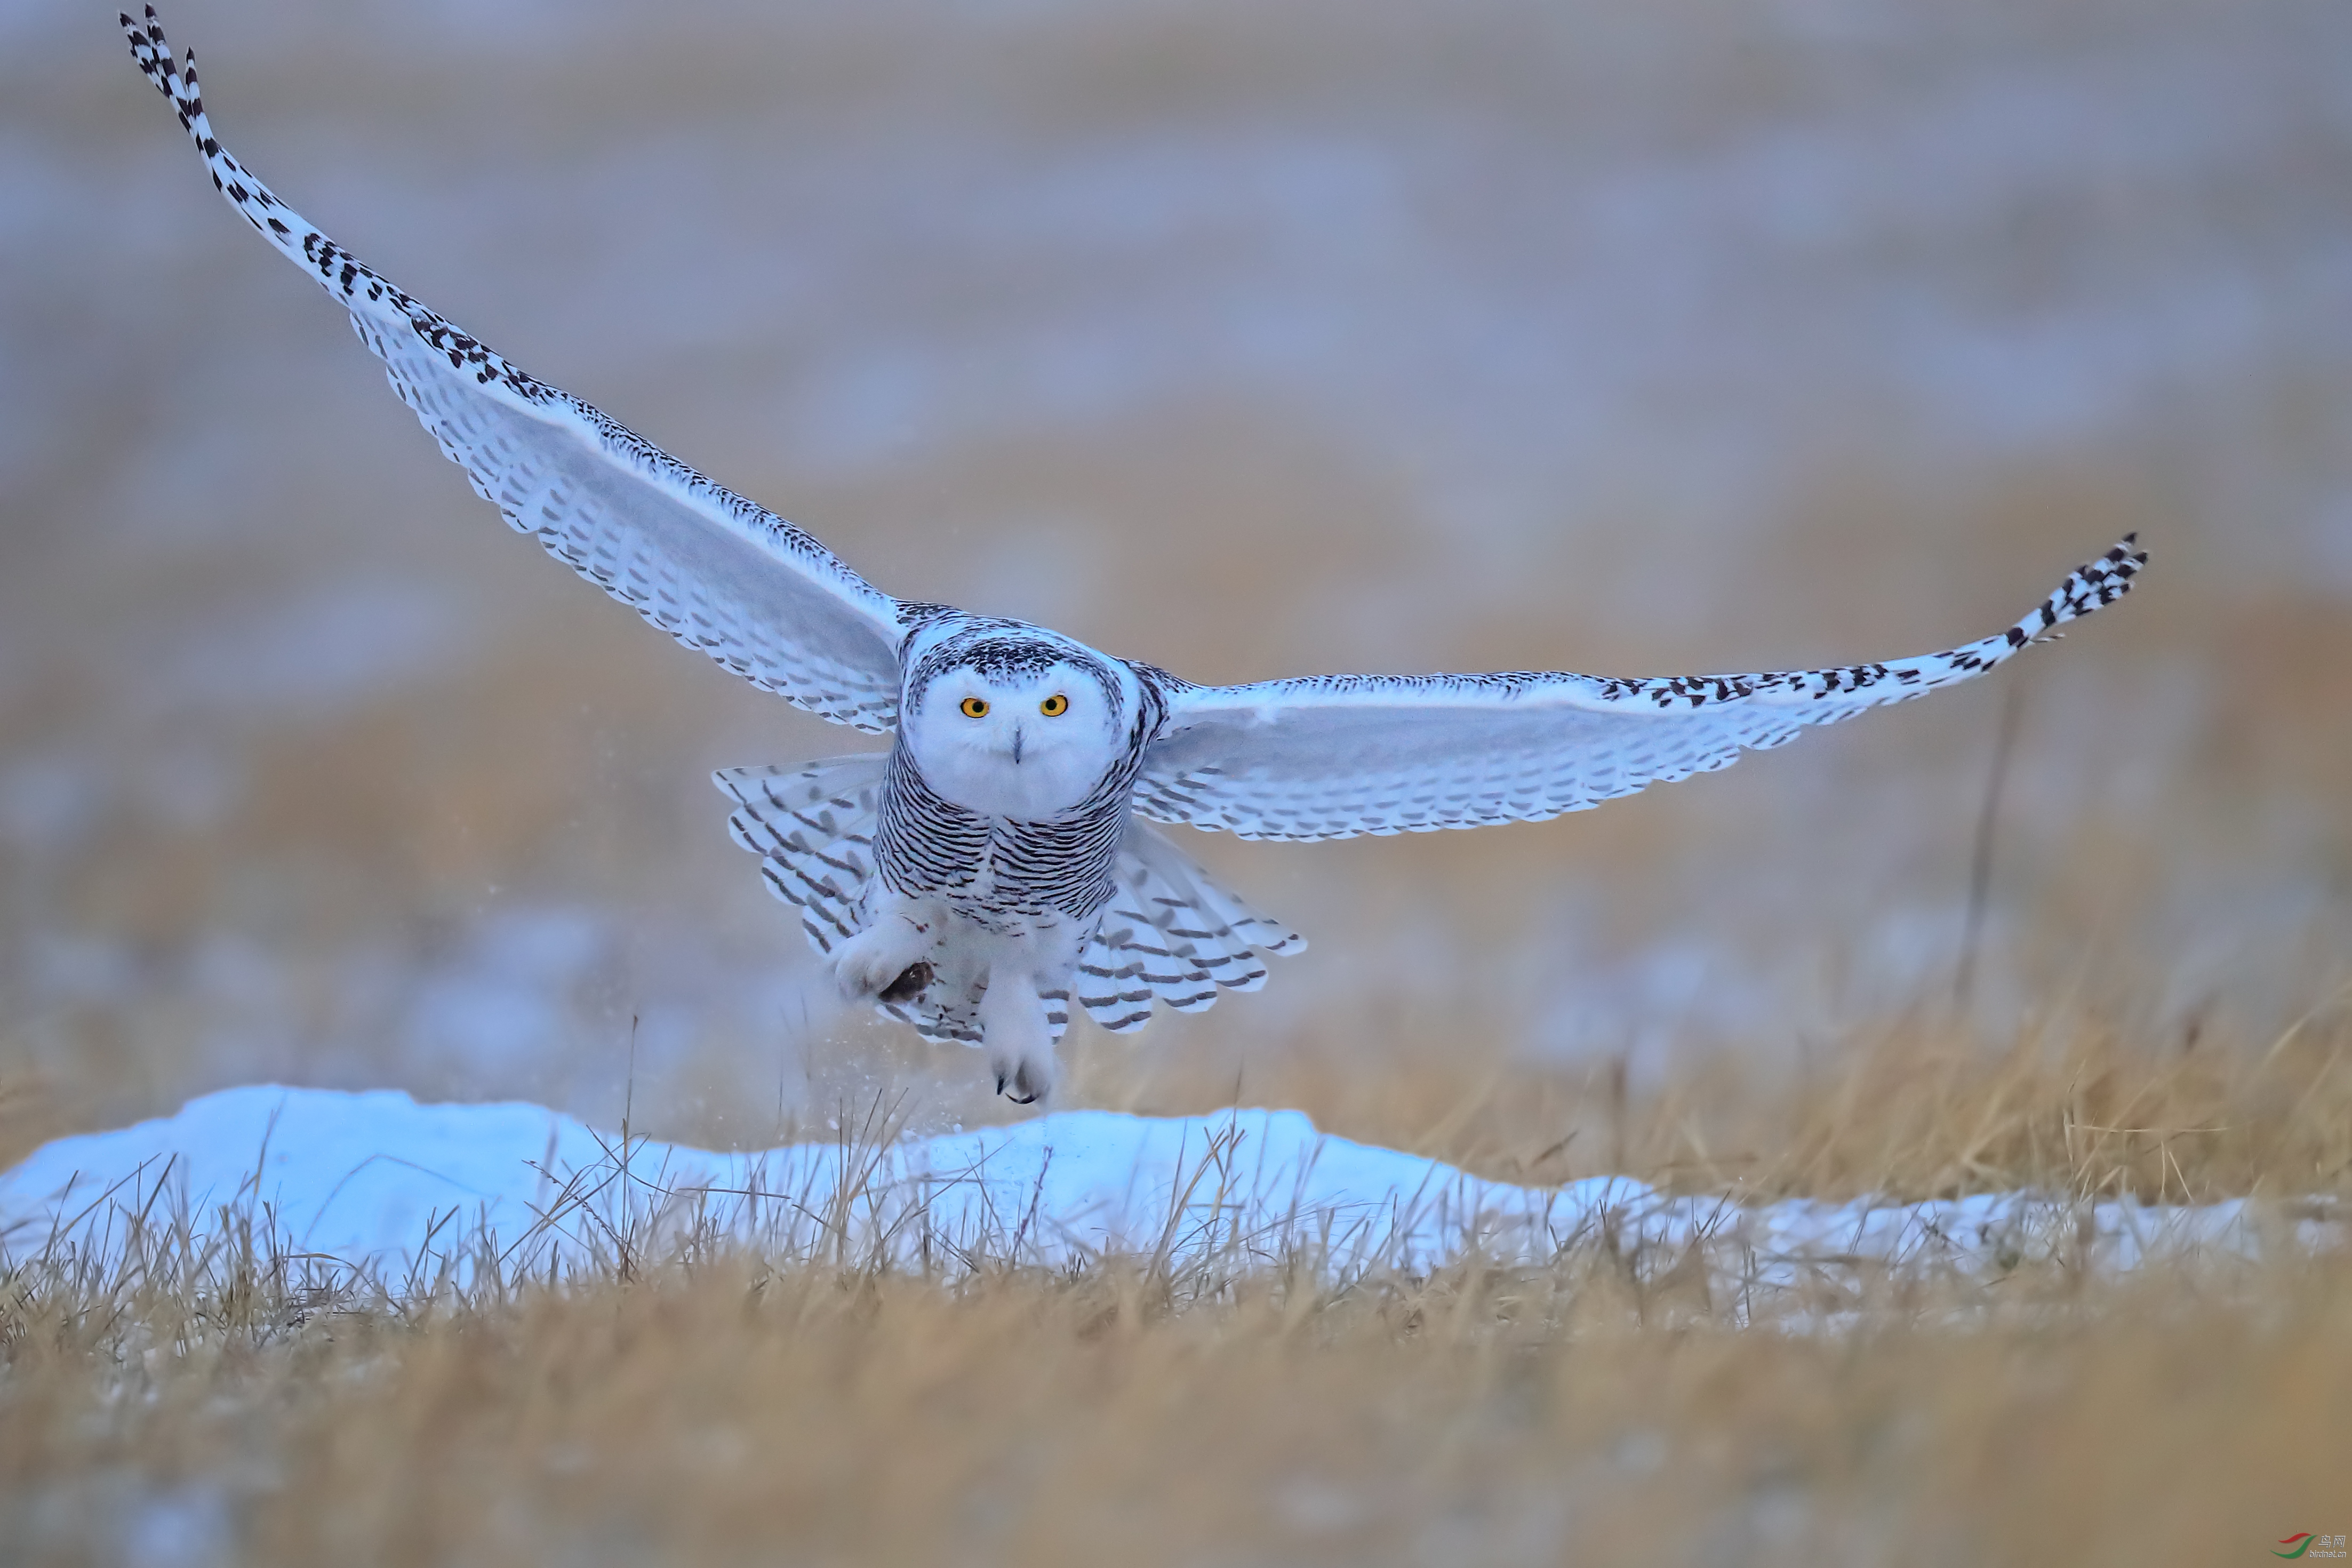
x: 811, y: 824
x: 1171, y: 936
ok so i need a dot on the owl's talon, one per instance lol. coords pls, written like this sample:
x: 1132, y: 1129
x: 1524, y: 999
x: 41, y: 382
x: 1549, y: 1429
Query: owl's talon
x: 1025, y: 1081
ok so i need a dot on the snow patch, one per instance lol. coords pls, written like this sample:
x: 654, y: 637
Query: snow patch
x: 377, y: 1182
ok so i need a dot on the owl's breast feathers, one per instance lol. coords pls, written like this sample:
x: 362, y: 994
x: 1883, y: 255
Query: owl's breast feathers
x: 994, y: 869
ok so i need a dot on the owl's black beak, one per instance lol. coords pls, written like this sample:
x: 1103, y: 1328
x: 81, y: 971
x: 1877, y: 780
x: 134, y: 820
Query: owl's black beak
x: 1016, y: 745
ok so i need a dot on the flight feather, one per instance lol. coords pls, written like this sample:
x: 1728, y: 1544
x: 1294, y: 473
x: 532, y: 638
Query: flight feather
x: 715, y: 571
x: 1332, y: 756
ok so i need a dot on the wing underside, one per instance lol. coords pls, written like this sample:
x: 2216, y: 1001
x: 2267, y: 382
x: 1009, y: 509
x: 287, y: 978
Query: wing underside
x: 1335, y: 756
x: 715, y: 571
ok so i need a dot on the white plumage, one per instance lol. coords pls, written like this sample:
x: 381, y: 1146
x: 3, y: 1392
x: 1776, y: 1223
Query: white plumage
x: 991, y: 864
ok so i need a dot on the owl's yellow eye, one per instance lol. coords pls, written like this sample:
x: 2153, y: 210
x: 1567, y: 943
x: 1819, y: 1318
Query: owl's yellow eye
x: 973, y: 708
x: 1054, y: 707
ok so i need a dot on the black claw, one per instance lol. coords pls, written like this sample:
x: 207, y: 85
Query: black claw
x: 1021, y: 1098
x: 1000, y: 1083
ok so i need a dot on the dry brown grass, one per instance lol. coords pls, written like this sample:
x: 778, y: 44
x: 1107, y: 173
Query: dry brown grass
x: 1913, y: 1108
x: 730, y: 1413
x: 720, y: 1408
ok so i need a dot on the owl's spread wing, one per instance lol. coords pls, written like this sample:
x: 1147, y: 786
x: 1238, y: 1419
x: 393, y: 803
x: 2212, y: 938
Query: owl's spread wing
x: 713, y: 570
x: 1335, y: 755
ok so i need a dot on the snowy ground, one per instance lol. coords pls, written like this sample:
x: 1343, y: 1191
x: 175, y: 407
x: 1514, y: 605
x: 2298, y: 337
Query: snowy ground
x: 418, y: 1194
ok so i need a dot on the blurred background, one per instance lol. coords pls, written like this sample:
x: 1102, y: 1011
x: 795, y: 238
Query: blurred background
x: 1249, y: 340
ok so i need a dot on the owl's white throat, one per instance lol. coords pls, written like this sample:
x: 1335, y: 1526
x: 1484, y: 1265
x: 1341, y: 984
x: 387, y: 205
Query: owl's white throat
x: 1019, y: 778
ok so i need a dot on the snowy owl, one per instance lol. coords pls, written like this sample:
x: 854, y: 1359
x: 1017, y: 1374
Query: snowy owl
x: 996, y: 862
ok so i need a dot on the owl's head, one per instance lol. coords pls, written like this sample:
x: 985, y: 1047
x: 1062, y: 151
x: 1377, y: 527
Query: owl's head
x: 1015, y: 723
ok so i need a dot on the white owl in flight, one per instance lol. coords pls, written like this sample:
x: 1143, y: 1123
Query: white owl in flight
x: 995, y: 861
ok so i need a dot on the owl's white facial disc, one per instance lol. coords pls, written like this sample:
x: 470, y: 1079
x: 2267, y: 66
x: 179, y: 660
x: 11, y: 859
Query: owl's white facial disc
x: 1024, y: 745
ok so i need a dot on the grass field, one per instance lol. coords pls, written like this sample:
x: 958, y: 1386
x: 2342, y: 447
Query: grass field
x: 736, y: 1415
x: 206, y: 1402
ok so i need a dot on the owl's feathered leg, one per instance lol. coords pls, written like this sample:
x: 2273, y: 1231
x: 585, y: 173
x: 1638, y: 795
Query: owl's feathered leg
x: 1015, y: 1034
x: 1027, y: 1002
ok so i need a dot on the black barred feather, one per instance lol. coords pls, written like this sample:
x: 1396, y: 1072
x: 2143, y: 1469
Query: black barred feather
x: 1168, y: 933
x: 812, y: 826
x: 1171, y: 936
